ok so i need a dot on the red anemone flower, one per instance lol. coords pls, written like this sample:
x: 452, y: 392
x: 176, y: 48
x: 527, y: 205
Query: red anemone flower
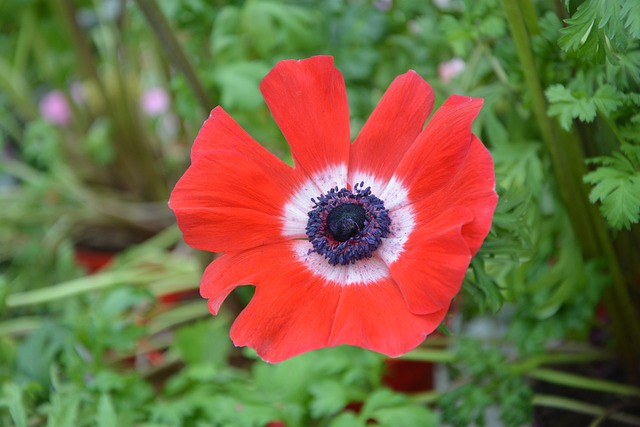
x: 362, y: 243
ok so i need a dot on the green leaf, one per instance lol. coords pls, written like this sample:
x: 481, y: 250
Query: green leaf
x: 391, y: 409
x: 567, y: 104
x: 39, y: 350
x: 579, y: 28
x: 616, y: 184
x: 270, y: 24
x: 631, y: 10
x: 345, y: 419
x: 42, y: 142
x: 596, y: 31
x: 566, y: 107
x: 406, y: 416
x: 226, y: 411
x: 12, y: 399
x: 292, y: 379
x: 239, y: 84
x: 607, y: 99
x: 465, y: 405
x: 106, y: 415
x: 486, y: 290
x: 619, y: 194
x: 515, y: 399
x: 172, y: 412
x: 328, y: 397
x: 64, y: 409
x: 205, y: 342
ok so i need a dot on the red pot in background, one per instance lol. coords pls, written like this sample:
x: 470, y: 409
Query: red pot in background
x: 93, y: 260
x: 409, y: 376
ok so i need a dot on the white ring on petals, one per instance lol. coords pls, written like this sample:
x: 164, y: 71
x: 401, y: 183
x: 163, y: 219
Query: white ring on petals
x: 402, y: 224
x: 294, y: 217
x: 367, y: 270
x: 363, y: 271
x: 392, y: 193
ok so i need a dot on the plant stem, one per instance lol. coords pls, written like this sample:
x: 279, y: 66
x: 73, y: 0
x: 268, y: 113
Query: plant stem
x: 430, y: 355
x: 184, y: 313
x: 167, y: 38
x: 72, y: 288
x: 17, y: 89
x: 568, y: 163
x: 21, y: 325
x: 166, y: 280
x: 560, y: 402
x: 579, y: 381
x: 532, y: 363
x: 135, y: 158
x: 426, y: 398
x: 66, y: 10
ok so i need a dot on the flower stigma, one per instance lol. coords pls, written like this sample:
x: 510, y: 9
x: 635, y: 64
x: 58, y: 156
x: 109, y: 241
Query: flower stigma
x: 345, y: 221
x: 347, y: 225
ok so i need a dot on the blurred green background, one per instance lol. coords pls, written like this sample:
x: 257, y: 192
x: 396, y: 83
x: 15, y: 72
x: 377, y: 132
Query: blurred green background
x: 101, y: 322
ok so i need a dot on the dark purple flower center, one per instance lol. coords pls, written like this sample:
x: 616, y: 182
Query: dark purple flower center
x: 347, y: 225
x: 345, y: 221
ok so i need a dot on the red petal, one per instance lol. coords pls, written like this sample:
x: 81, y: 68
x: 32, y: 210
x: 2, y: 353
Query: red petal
x: 308, y: 100
x: 393, y: 126
x: 435, y: 259
x: 295, y: 310
x: 375, y: 316
x: 474, y: 188
x: 283, y: 321
x: 220, y: 278
x: 232, y: 196
x: 439, y: 151
x: 292, y: 310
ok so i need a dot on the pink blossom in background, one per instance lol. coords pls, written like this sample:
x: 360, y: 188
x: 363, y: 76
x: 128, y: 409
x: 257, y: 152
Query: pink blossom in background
x: 442, y: 4
x: 383, y: 5
x: 154, y: 101
x: 448, y: 70
x: 54, y: 108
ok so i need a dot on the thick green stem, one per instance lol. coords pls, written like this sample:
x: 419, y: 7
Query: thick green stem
x: 568, y: 163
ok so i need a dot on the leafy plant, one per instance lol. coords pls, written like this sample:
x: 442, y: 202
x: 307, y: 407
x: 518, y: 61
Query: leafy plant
x: 617, y: 186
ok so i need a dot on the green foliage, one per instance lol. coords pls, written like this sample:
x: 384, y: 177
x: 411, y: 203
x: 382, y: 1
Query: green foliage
x: 616, y: 185
x: 483, y: 22
x: 106, y: 415
x: 239, y: 83
x: 603, y: 37
x: 42, y: 143
x: 599, y: 29
x: 194, y: 350
x: 486, y: 292
x: 391, y: 409
x: 567, y: 104
x: 487, y: 382
x: 12, y: 399
x: 559, y: 295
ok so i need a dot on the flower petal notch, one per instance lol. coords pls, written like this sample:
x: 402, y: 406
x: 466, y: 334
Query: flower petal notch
x: 362, y: 243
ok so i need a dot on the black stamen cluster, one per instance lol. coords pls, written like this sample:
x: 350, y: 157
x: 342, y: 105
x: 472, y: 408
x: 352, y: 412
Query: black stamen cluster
x: 347, y: 225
